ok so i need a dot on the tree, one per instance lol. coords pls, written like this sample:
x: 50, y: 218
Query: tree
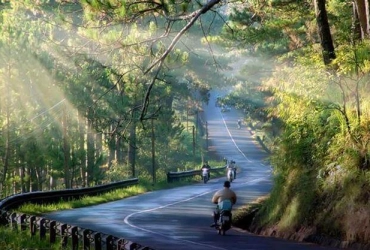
x: 187, y: 12
x: 361, y: 14
x: 327, y: 45
x: 63, y: 61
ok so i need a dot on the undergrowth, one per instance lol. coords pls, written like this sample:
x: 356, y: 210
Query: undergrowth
x: 336, y: 208
x: 21, y: 240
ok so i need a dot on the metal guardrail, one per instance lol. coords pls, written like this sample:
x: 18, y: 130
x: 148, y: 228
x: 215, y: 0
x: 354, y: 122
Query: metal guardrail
x: 15, y: 201
x: 176, y: 176
x: 70, y: 237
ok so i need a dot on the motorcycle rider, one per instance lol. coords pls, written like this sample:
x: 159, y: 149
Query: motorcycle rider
x: 232, y: 166
x: 225, y: 194
x: 208, y: 167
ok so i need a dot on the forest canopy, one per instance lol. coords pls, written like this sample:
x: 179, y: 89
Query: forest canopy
x: 87, y: 86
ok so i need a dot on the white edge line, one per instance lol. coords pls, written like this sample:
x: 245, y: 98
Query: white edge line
x: 126, y: 219
x: 228, y: 131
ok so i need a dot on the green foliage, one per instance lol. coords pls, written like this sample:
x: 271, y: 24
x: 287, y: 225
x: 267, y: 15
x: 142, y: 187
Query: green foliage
x: 88, y: 200
x: 271, y: 28
x: 291, y: 202
x: 57, y: 71
x: 56, y: 82
x: 320, y: 155
x: 145, y: 185
x: 351, y: 60
x: 11, y: 239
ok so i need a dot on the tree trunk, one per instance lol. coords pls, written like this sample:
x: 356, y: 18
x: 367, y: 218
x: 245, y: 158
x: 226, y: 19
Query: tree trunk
x: 111, y: 148
x: 98, y: 145
x: 28, y: 180
x: 33, y: 178
x: 82, y: 133
x: 356, y: 27
x: 7, y: 136
x: 66, y: 151
x: 324, y: 31
x: 132, y: 148
x: 21, y: 174
x: 362, y: 9
x: 90, y: 153
x: 119, y: 150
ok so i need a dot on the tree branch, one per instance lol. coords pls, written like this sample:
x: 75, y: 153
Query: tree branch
x: 194, y: 17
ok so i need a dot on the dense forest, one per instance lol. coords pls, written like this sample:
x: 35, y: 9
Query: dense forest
x: 313, y: 113
x: 87, y: 86
x: 77, y: 108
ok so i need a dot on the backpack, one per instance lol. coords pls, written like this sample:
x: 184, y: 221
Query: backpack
x: 225, y: 205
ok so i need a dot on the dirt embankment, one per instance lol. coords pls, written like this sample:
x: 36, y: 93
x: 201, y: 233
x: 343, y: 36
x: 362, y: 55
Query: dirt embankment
x: 245, y: 220
x: 354, y: 220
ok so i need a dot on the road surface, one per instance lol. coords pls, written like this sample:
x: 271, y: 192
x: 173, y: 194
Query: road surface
x: 179, y: 218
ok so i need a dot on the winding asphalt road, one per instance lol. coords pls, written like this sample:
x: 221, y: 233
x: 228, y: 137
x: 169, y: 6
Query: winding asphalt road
x: 179, y: 218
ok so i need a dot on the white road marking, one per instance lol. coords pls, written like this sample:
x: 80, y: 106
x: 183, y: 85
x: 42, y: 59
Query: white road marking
x: 232, y: 139
x: 126, y: 219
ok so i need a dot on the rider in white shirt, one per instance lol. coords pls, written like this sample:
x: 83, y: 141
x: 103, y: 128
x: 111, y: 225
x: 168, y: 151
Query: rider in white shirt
x: 232, y: 166
x: 208, y: 167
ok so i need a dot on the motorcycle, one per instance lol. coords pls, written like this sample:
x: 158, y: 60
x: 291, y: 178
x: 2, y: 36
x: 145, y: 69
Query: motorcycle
x: 239, y: 124
x: 224, y: 222
x: 205, y: 174
x: 230, y: 174
x: 225, y: 108
x: 224, y: 219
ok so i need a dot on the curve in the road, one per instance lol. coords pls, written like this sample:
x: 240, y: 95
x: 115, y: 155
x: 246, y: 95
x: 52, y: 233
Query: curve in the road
x: 179, y: 218
x: 232, y: 139
x: 127, y: 218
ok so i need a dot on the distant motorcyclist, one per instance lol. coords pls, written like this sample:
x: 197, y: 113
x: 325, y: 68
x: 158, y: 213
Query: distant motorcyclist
x: 208, y: 167
x: 223, y: 197
x: 232, y: 167
x: 239, y: 123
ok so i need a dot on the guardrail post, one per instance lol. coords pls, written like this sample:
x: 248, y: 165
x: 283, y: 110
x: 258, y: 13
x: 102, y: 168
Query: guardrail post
x: 120, y: 244
x: 23, y: 222
x: 74, y: 233
x: 169, y: 180
x: 134, y: 246
x: 64, y: 234
x: 52, y: 231
x: 13, y: 221
x: 3, y: 220
x: 33, y: 225
x: 109, y: 242
x: 86, y: 239
x: 97, y: 240
x: 42, y: 228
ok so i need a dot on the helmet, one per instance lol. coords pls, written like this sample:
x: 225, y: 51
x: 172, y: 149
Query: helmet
x: 227, y: 184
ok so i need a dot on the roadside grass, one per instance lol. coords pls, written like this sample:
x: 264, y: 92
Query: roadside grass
x: 291, y: 202
x: 13, y: 239
x: 16, y: 239
x: 145, y: 185
x: 302, y: 204
x: 244, y: 216
x: 118, y: 194
x: 39, y: 209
